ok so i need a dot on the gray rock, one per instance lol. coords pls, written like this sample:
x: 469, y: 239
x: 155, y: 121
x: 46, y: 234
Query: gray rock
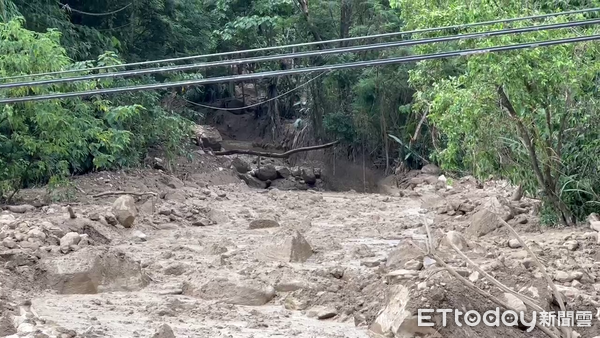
x: 263, y: 224
x: 572, y: 245
x: 286, y: 245
x: 208, y: 137
x: 250, y: 293
x: 413, y: 265
x: 9, y: 243
x: 321, y: 312
x: 455, y: 238
x: 252, y: 181
x: 483, y: 222
x: 267, y: 173
x: 514, y: 243
x: 283, y: 172
x: 91, y: 270
x: 164, y: 331
x: 308, y: 175
x: 175, y: 269
x: 431, y: 169
x: 125, y: 210
x: 240, y: 165
x: 71, y: 238
x: 563, y: 277
x: 515, y: 303
x: 7, y: 327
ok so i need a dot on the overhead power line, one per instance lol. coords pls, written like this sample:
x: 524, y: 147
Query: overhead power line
x: 313, y: 43
x: 263, y: 75
x: 261, y: 102
x: 301, y: 54
x: 68, y: 8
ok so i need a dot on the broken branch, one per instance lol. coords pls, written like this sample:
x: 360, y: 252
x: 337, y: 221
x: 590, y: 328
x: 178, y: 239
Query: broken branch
x: 274, y: 155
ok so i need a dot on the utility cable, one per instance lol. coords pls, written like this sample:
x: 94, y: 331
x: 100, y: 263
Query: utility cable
x: 301, y: 54
x: 271, y: 74
x: 68, y: 8
x: 264, y: 49
x: 261, y: 102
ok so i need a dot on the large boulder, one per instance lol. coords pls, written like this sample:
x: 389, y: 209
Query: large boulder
x: 125, y: 210
x: 91, y: 270
x: 431, y: 169
x: 267, y: 173
x: 252, y: 181
x: 208, y: 137
x: 483, y: 222
x: 308, y: 175
x: 240, y: 165
x: 286, y: 245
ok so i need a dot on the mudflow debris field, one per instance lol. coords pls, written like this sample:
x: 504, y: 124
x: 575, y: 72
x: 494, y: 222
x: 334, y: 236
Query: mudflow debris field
x: 227, y: 260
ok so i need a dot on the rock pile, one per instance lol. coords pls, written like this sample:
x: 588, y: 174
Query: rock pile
x: 280, y: 177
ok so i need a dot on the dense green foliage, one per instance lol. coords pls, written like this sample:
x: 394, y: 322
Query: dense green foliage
x: 526, y: 115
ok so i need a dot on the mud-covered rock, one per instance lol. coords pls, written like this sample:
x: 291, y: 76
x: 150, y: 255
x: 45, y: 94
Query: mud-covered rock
x: 286, y: 245
x: 283, y: 172
x: 164, y: 331
x: 431, y: 169
x: 308, y: 175
x: 125, y: 210
x: 250, y: 293
x: 240, y: 165
x: 263, y: 224
x: 252, y: 181
x: 208, y: 137
x: 91, y: 270
x: 483, y: 222
x: 267, y: 173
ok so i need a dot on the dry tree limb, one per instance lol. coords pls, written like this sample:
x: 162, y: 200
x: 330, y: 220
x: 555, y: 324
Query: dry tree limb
x: 482, y: 293
x: 565, y: 330
x: 530, y: 302
x: 274, y: 155
x: 108, y: 193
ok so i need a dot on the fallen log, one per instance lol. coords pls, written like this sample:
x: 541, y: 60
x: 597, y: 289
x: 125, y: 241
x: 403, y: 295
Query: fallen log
x: 274, y: 155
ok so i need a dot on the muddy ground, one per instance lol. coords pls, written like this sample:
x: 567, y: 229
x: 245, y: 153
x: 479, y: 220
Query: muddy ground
x: 201, y: 254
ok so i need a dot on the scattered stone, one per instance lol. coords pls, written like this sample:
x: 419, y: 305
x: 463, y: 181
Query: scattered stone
x: 283, y: 172
x: 403, y: 253
x: 483, y: 222
x: 250, y: 293
x: 527, y: 263
x: 413, y: 265
x: 455, y: 238
x: 175, y: 269
x: 263, y: 224
x: 252, y: 181
x: 518, y: 194
x: 267, y: 173
x: 572, y: 245
x: 111, y: 220
x: 321, y: 312
x: 514, y: 243
x: 164, y: 331
x: 7, y: 327
x: 515, y: 303
x: 371, y: 263
x: 563, y: 277
x: 474, y: 277
x: 139, y: 236
x: 431, y: 169
x: 71, y: 238
x: 202, y: 222
x: 125, y: 210
x: 9, y: 243
x: 240, y: 165
x: 287, y: 245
